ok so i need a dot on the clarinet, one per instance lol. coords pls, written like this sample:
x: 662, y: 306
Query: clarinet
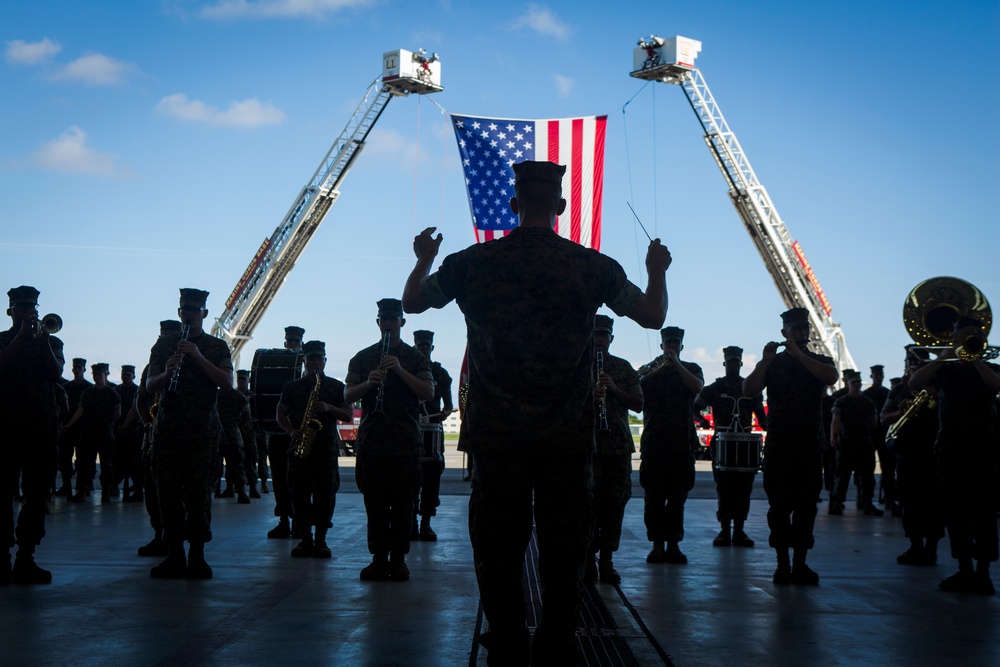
x: 380, y: 397
x: 185, y: 332
x: 602, y: 411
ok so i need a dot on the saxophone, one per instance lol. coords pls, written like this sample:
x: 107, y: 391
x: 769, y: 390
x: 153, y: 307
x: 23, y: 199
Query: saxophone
x: 302, y: 440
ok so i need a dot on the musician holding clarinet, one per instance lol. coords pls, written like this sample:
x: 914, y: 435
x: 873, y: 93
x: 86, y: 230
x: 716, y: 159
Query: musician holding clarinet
x: 185, y: 372
x: 31, y: 365
x: 390, y: 378
x: 617, y: 391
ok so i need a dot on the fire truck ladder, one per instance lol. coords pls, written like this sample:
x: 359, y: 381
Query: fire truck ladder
x: 783, y: 257
x: 276, y: 257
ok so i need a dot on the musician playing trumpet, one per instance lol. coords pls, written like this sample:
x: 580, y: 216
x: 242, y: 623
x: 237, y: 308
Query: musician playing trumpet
x: 313, y: 479
x: 669, y: 441
x: 796, y: 381
x: 390, y: 382
x: 966, y: 449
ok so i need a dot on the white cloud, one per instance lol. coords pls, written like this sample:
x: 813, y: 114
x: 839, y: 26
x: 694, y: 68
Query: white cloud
x: 564, y: 84
x: 245, y: 114
x: 69, y: 153
x: 254, y: 9
x: 95, y: 69
x: 19, y: 52
x: 544, y: 21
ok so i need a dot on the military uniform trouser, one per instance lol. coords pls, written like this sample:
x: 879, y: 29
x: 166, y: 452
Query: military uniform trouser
x: 250, y: 456
x: 860, y: 461
x: 261, y: 445
x: 666, y: 479
x: 313, y: 483
x: 505, y: 492
x: 429, y: 495
x: 918, y: 489
x: 150, y: 496
x: 87, y: 452
x: 612, y: 491
x: 184, y: 480
x: 67, y: 443
x: 278, y: 445
x: 733, y: 488
x: 887, y: 464
x: 30, y: 462
x: 126, y: 458
x: 792, y: 484
x: 969, y: 505
x: 388, y: 484
x: 232, y: 453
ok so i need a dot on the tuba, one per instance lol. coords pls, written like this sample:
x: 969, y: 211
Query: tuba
x: 303, y: 440
x: 947, y: 313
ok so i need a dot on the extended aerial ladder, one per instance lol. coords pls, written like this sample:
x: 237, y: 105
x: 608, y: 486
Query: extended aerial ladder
x: 403, y: 72
x: 672, y: 61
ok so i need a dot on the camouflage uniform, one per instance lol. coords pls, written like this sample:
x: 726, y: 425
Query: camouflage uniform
x: 733, y: 487
x: 613, y: 460
x: 886, y: 459
x: 69, y: 439
x: 668, y: 444
x: 432, y: 467
x: 965, y: 405
x: 230, y: 405
x: 792, y: 466
x: 388, y: 447
x: 315, y: 479
x: 185, y: 440
x: 127, y: 442
x: 250, y: 435
x: 29, y: 419
x: 856, y: 449
x: 917, y: 472
x: 529, y: 301
x: 151, y: 497
x: 97, y: 436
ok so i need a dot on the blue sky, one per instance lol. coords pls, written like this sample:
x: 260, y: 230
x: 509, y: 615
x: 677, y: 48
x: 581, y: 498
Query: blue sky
x: 150, y: 146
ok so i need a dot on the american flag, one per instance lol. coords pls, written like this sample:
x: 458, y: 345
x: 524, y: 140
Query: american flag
x: 489, y: 146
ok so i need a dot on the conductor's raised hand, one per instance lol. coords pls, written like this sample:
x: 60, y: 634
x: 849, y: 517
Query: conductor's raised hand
x: 426, y: 245
x: 658, y: 257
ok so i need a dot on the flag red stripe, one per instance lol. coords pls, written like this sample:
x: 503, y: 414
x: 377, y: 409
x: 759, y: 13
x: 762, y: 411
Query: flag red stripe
x: 595, y: 234
x: 553, y: 148
x: 576, y: 180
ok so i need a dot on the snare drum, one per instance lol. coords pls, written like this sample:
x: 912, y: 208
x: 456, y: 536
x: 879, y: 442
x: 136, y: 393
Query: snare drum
x: 432, y: 441
x: 737, y: 452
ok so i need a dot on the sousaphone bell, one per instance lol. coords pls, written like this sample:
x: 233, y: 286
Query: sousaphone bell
x: 946, y: 313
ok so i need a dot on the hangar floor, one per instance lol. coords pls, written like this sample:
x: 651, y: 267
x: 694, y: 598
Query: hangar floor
x: 264, y: 607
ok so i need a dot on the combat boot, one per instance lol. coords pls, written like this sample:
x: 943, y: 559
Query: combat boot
x: 741, y: 539
x: 427, y: 534
x: 254, y: 493
x: 590, y: 569
x: 197, y: 568
x: 242, y: 498
x: 609, y: 574
x: 282, y: 530
x: 724, y: 538
x: 656, y: 555
x: 304, y: 549
x: 26, y: 571
x: 174, y: 566
x: 673, y: 554
x: 156, y: 547
x: 320, y: 549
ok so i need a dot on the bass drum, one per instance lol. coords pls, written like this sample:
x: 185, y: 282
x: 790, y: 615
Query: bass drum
x: 270, y: 371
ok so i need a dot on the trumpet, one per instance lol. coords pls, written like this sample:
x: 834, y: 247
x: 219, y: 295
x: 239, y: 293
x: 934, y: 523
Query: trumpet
x: 380, y: 397
x: 49, y: 324
x: 652, y: 368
